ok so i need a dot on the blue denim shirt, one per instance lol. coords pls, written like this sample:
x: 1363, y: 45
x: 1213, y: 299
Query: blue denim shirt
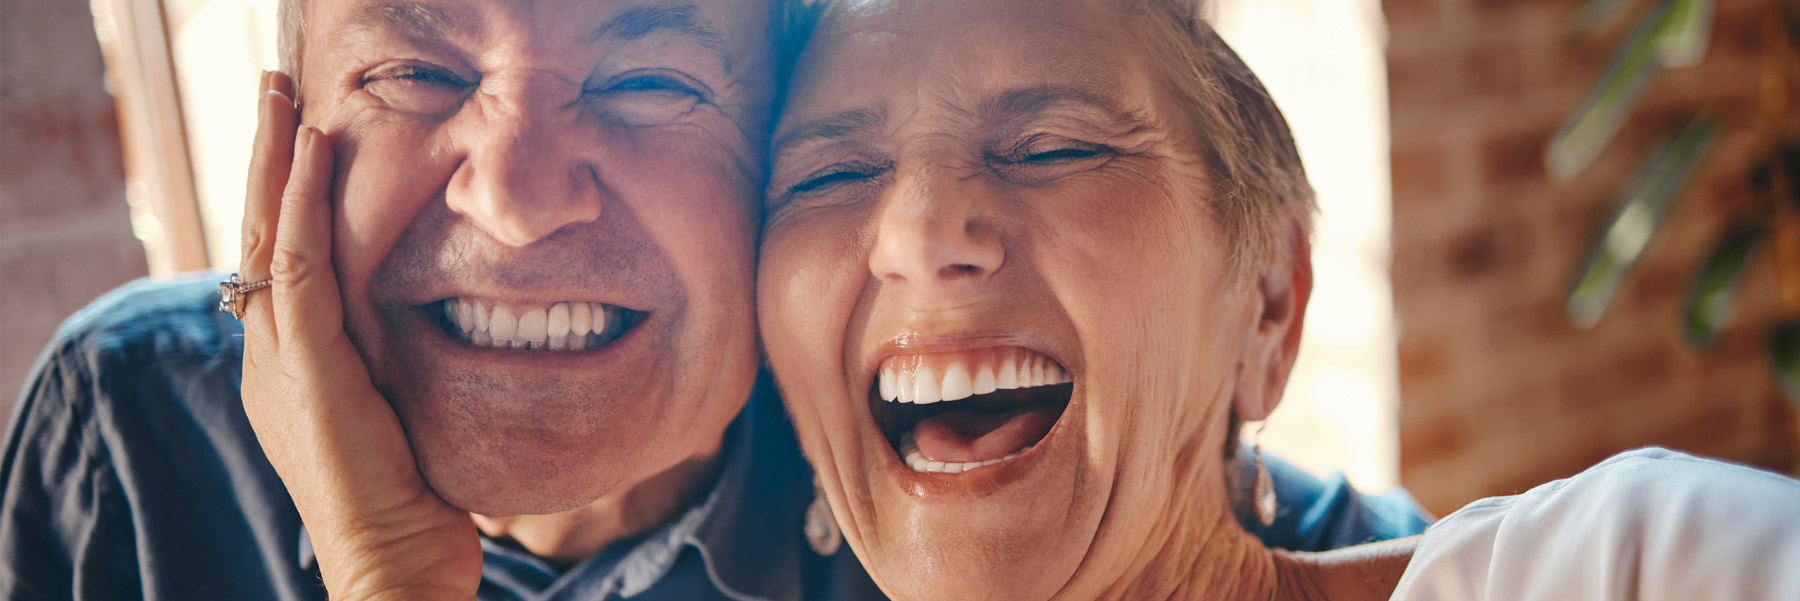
x: 131, y: 472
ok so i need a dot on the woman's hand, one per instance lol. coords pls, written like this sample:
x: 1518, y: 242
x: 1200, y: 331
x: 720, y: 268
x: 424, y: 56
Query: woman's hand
x: 378, y: 530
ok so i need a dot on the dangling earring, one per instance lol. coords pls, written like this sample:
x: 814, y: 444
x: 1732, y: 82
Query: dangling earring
x: 821, y: 529
x: 1264, y: 492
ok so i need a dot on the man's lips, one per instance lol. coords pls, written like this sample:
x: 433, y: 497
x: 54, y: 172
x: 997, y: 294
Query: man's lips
x: 557, y: 326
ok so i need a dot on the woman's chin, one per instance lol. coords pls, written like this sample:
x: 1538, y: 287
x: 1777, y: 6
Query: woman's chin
x: 968, y: 563
x: 1018, y: 529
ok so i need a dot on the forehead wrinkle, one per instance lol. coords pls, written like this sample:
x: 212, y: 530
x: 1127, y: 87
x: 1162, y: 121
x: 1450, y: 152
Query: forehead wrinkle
x: 852, y: 123
x: 638, y: 22
x: 1038, y: 99
x: 416, y: 19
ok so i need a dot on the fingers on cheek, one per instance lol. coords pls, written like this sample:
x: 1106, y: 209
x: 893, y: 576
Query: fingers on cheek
x: 293, y: 260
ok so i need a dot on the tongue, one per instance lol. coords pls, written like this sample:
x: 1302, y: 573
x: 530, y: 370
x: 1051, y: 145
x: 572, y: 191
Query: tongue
x: 964, y: 436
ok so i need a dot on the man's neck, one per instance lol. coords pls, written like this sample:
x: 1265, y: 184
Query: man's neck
x: 573, y: 535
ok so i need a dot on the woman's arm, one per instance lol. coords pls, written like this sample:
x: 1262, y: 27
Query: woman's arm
x: 379, y: 532
x: 1650, y: 524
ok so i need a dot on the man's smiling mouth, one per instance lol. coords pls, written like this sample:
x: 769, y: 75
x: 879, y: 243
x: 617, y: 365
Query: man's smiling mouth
x: 562, y: 326
x: 962, y: 411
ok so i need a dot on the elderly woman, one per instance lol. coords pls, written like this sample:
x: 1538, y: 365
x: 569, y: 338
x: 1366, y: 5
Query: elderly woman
x: 1026, y: 265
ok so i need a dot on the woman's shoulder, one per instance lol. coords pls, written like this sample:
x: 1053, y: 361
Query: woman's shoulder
x: 1646, y: 524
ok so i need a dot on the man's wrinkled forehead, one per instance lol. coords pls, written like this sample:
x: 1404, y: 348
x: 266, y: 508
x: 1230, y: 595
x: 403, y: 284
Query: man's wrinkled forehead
x: 729, y: 27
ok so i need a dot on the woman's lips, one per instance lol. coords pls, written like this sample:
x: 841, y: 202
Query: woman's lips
x: 960, y: 411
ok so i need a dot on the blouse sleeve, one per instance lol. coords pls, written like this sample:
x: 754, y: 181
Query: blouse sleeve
x: 1650, y: 525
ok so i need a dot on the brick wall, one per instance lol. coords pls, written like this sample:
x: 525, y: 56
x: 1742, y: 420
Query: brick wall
x: 65, y: 232
x: 1498, y: 391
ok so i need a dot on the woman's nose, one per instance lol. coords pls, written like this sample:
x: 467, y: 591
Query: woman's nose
x: 524, y: 176
x: 930, y: 240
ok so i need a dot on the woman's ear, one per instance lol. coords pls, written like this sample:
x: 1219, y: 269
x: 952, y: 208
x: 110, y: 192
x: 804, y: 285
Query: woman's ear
x: 1280, y: 295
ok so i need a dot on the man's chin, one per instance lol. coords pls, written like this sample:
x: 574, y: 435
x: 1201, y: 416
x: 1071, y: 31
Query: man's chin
x: 501, y: 482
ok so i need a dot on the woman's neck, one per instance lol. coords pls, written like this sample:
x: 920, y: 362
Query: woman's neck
x: 1214, y: 559
x: 1189, y: 545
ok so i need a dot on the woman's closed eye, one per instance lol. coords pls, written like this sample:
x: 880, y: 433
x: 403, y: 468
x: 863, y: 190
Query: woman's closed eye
x: 1043, y: 158
x: 649, y: 96
x: 834, y: 177
x: 418, y: 87
x: 1047, y: 150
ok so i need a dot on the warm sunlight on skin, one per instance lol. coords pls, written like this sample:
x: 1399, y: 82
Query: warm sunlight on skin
x: 531, y: 154
x: 954, y: 181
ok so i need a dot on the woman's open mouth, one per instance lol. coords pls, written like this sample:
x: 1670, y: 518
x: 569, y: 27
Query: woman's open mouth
x: 965, y: 410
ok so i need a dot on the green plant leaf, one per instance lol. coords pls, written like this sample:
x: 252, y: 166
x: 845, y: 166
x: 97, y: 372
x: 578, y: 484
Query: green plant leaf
x: 1682, y: 41
x: 1673, y: 33
x: 1709, y: 302
x: 1784, y: 357
x: 1640, y: 214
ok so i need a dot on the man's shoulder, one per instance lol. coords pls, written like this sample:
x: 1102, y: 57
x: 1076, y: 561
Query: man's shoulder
x: 129, y: 441
x: 148, y: 320
x: 140, y: 351
x: 1323, y: 514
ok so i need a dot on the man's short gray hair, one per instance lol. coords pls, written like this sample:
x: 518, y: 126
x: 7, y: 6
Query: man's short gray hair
x: 290, y: 18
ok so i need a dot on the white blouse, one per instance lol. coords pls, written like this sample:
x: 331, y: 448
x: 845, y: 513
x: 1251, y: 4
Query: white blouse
x: 1650, y: 524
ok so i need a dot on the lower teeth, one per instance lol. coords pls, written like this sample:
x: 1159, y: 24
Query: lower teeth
x: 909, y: 453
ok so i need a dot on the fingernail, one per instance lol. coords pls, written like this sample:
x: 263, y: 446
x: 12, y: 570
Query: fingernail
x: 264, y: 85
x: 281, y: 82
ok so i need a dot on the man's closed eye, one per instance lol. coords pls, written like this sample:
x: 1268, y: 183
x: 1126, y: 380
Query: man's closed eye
x: 417, y: 87
x: 649, y: 96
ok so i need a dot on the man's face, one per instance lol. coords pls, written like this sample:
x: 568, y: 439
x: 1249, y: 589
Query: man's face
x: 505, y: 168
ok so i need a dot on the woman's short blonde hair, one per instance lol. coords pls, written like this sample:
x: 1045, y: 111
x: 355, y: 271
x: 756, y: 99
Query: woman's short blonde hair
x: 1259, y: 180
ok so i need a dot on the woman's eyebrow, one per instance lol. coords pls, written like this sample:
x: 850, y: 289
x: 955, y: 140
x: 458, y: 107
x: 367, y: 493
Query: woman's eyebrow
x: 1022, y: 102
x: 836, y: 127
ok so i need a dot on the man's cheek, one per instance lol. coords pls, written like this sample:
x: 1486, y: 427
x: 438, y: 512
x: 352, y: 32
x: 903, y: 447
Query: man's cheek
x: 381, y: 190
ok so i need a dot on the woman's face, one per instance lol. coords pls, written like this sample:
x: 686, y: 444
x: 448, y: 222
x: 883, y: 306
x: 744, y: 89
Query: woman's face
x: 1000, y: 308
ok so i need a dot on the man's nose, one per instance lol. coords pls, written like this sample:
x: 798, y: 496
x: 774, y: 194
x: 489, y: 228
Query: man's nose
x: 931, y: 239
x: 525, y: 176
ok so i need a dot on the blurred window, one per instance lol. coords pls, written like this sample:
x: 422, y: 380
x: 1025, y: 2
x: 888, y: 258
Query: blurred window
x: 1324, y: 62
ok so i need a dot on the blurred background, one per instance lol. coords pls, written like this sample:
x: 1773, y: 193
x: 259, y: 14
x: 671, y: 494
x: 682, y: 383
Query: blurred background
x: 1551, y: 230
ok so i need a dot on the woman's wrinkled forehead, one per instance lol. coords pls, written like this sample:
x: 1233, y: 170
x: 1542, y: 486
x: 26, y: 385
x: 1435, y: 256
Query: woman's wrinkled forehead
x: 892, y: 57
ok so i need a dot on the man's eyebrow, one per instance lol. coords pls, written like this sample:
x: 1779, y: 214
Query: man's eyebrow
x: 415, y: 18
x: 841, y: 125
x: 641, y: 21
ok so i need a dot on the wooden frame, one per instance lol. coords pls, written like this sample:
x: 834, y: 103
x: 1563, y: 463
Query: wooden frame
x: 158, y: 170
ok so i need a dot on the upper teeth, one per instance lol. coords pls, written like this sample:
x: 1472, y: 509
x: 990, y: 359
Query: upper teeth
x: 917, y: 378
x: 572, y: 325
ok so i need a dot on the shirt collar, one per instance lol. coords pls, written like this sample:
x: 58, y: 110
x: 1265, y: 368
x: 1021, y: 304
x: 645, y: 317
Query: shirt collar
x: 748, y: 529
x: 753, y: 539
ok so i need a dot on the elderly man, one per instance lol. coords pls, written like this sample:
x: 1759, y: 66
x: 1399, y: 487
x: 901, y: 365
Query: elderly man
x: 544, y: 232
